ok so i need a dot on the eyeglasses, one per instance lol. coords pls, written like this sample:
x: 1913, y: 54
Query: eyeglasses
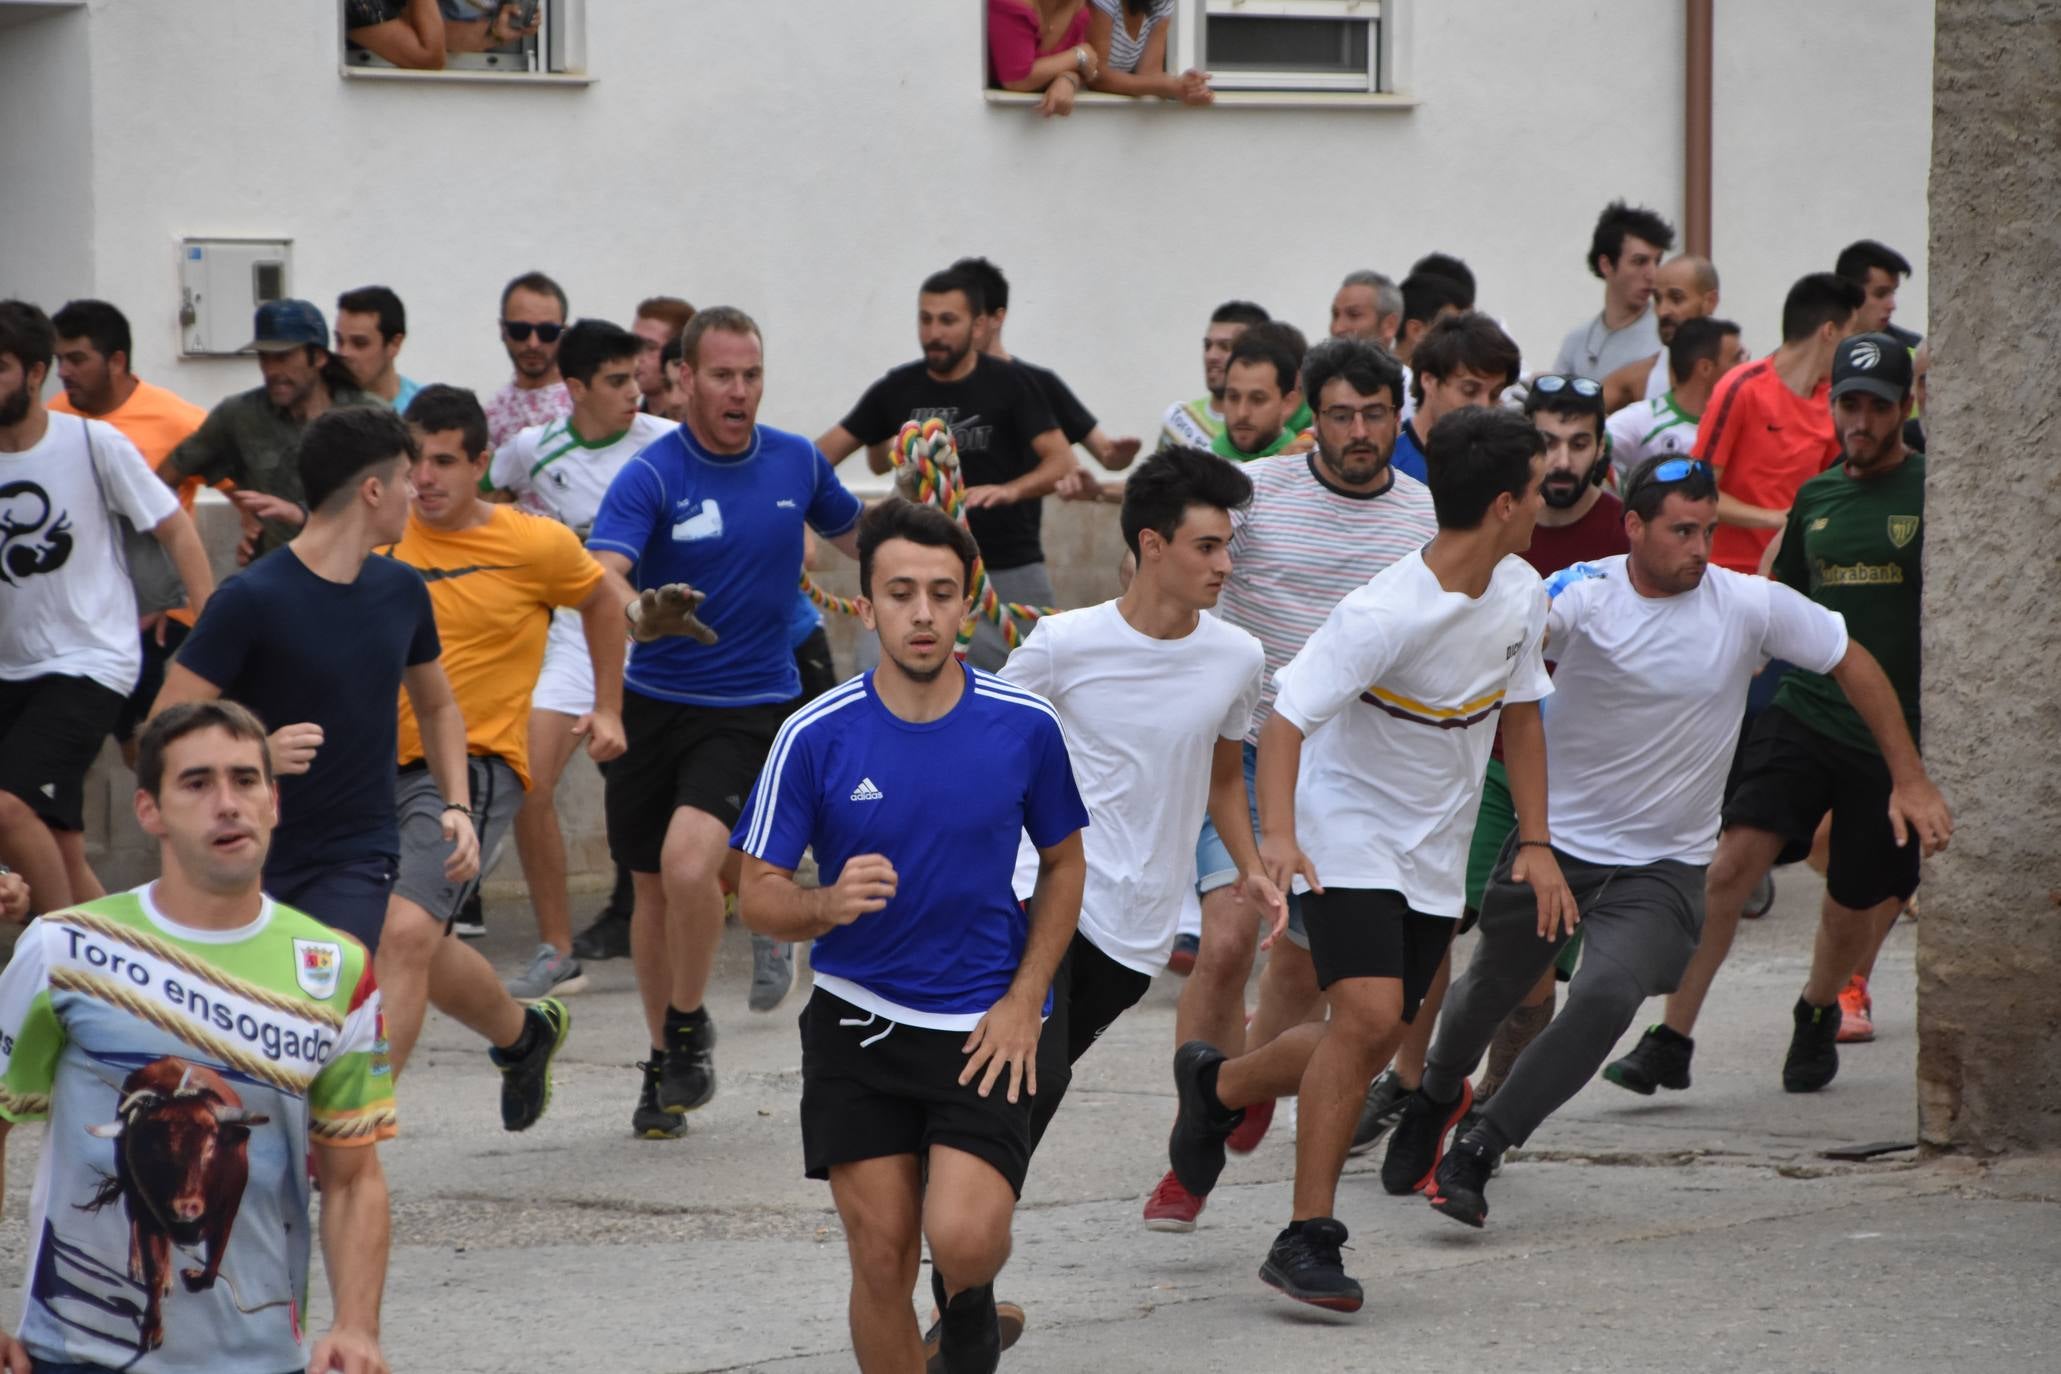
x: 1553, y: 383
x: 520, y: 331
x: 1342, y: 417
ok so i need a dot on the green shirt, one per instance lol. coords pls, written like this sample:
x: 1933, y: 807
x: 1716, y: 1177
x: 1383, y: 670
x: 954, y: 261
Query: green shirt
x: 1856, y: 546
x: 1224, y: 448
x: 253, y: 443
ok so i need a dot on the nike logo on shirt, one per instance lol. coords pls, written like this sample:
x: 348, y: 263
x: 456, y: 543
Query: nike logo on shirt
x: 441, y: 574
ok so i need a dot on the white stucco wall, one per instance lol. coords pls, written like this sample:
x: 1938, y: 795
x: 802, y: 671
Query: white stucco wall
x: 810, y: 160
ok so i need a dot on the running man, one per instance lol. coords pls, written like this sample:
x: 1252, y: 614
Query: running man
x: 920, y: 1044
x: 1394, y: 700
x: 197, y: 1029
x: 1700, y: 352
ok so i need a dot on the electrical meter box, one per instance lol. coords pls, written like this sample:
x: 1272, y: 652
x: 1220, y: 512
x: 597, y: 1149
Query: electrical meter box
x: 221, y: 284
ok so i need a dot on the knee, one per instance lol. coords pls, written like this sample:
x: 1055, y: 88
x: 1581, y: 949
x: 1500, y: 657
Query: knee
x: 885, y: 1259
x: 967, y: 1253
x: 1607, y: 995
x: 407, y: 941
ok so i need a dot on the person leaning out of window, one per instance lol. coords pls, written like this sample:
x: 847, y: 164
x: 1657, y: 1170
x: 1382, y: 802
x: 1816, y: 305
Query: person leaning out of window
x: 1041, y: 45
x: 1129, y: 38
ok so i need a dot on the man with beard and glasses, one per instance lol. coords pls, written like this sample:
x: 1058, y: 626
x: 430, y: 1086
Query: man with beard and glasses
x: 1197, y: 423
x: 533, y: 316
x: 1685, y: 288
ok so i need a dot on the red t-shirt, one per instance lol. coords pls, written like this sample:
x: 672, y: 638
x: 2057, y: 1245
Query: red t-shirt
x: 1765, y: 442
x: 1599, y: 534
x: 1013, y: 38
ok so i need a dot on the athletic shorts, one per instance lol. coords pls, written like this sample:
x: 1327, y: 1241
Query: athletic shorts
x: 1790, y: 776
x: 1213, y: 866
x: 496, y: 795
x: 874, y: 1088
x: 347, y: 895
x: 151, y: 681
x: 566, y: 681
x: 1372, y: 933
x: 50, y: 733
x: 1089, y: 992
x: 706, y: 757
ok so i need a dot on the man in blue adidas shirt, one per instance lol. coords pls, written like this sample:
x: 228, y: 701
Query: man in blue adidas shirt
x: 919, y: 1046
x: 718, y: 504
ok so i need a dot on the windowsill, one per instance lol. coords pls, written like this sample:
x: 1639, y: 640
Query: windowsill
x: 1269, y: 100
x: 468, y: 77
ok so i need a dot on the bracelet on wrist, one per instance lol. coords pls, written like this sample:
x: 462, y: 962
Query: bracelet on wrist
x: 466, y: 807
x: 1535, y: 844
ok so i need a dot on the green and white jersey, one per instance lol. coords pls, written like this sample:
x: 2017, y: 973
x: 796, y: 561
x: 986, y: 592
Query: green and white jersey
x: 184, y: 1074
x: 1646, y: 428
x: 1194, y: 423
x: 554, y: 472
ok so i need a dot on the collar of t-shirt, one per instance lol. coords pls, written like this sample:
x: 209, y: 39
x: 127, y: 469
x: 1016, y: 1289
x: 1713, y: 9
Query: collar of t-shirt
x: 1227, y: 449
x: 1316, y: 467
x: 695, y: 450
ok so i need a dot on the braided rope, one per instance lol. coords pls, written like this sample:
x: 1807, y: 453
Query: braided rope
x: 185, y: 1028
x: 220, y: 979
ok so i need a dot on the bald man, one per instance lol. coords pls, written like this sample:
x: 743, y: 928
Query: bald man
x: 1685, y: 288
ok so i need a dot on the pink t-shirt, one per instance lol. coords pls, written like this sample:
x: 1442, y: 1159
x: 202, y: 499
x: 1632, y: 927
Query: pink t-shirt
x: 1013, y: 38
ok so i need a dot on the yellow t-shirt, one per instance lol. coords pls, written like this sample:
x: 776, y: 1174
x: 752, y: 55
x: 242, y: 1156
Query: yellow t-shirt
x: 493, y: 588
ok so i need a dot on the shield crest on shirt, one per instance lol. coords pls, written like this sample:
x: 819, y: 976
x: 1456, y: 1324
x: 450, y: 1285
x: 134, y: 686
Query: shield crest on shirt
x: 316, y: 966
x: 1902, y: 529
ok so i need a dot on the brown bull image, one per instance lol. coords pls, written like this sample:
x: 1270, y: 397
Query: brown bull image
x: 181, y: 1161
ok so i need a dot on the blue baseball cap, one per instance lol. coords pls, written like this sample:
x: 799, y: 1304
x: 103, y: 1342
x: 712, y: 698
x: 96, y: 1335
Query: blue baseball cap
x: 286, y: 324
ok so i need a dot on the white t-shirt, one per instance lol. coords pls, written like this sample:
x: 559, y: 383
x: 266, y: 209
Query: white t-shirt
x: 1142, y: 717
x: 1645, y: 428
x: 1649, y: 692
x: 554, y: 472
x: 67, y: 607
x: 1398, y: 694
x: 1659, y: 380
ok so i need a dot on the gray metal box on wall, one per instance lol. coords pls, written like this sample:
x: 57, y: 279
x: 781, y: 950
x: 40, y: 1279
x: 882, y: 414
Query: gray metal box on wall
x: 221, y: 284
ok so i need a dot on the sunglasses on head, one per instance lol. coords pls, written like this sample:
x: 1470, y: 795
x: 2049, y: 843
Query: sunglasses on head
x: 520, y: 331
x: 1553, y: 383
x: 1674, y: 470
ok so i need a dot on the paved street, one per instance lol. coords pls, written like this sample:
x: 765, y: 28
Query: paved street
x: 1688, y: 1232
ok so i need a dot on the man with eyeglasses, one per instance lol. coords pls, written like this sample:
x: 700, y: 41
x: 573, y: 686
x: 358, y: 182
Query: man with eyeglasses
x: 533, y: 316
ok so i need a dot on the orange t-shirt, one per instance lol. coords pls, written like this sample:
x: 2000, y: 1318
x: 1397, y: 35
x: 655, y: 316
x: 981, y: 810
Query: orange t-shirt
x: 1765, y: 442
x: 493, y: 588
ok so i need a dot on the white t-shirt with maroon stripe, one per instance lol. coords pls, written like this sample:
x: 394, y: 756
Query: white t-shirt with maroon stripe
x: 1302, y: 545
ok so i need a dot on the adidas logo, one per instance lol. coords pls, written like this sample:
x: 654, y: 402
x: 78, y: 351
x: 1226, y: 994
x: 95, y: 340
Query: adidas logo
x: 49, y: 789
x: 866, y: 791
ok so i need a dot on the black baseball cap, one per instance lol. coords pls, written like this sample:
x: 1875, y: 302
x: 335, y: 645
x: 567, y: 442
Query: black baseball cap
x: 1875, y: 363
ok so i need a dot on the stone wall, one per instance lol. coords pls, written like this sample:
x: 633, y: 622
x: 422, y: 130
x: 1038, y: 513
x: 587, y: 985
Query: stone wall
x: 1989, y: 943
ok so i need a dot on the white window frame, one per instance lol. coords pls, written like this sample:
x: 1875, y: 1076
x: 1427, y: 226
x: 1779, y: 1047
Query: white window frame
x: 561, y: 55
x: 1387, y: 73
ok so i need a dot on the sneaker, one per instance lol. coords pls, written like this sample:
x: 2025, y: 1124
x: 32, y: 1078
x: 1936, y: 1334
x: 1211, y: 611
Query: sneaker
x: 649, y: 1121
x: 1009, y: 1324
x: 1181, y: 962
x: 1856, y: 1012
x: 471, y: 921
x: 1305, y: 1265
x: 1172, y: 1207
x: 526, y: 1079
x: 1252, y: 1130
x: 1466, y: 1127
x: 1202, y: 1125
x: 607, y: 938
x: 1763, y: 898
x: 1385, y: 1098
x: 1459, y: 1185
x: 549, y: 974
x: 1813, y: 1059
x: 688, y: 1078
x: 1659, y: 1060
x: 772, y: 971
x: 1419, y: 1141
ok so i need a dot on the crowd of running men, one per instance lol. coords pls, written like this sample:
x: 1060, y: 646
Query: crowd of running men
x: 1411, y: 640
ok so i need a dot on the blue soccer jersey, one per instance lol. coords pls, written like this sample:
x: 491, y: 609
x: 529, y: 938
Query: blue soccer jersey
x: 944, y: 802
x: 729, y: 525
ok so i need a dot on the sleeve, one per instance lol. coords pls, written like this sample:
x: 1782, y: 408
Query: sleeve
x: 1033, y: 416
x: 1052, y: 806
x: 1030, y: 665
x: 1169, y: 437
x: 1012, y: 40
x: 832, y: 509
x: 1801, y: 631
x: 1566, y: 602
x: 1237, y: 721
x: 1717, y: 438
x: 132, y: 487
x: 779, y: 818
x: 31, y: 1036
x: 1074, y: 419
x: 1792, y: 561
x: 221, y: 641
x: 210, y: 452
x: 875, y: 417
x: 1529, y: 680
x: 1623, y: 428
x: 630, y: 511
x: 509, y: 470
x: 351, y: 1101
x: 1563, y: 361
x: 1348, y: 651
x: 423, y: 645
x: 570, y: 572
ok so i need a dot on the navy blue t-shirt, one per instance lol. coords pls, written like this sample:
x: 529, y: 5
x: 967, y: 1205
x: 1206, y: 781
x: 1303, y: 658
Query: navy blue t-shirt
x: 1409, y: 454
x: 729, y: 525
x: 945, y: 802
x: 295, y: 647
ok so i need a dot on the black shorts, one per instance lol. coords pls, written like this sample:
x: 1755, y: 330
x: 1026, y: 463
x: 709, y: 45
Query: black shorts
x: 50, y: 733
x: 1372, y: 933
x: 874, y: 1088
x: 1790, y: 776
x: 151, y: 681
x: 1089, y: 992
x: 706, y: 757
x: 818, y: 669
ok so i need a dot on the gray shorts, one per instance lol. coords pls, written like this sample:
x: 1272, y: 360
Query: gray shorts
x: 496, y: 797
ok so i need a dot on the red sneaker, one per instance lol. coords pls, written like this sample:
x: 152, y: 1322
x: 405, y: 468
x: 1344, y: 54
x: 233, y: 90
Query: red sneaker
x: 1856, y: 1012
x: 1251, y: 1131
x: 1171, y: 1207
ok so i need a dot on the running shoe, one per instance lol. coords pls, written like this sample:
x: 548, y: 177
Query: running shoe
x: 772, y: 971
x: 1172, y: 1207
x: 548, y: 974
x: 1460, y: 1184
x: 1306, y: 1266
x: 1419, y: 1141
x: 1659, y: 1060
x: 1385, y: 1098
x: 1813, y: 1059
x: 1252, y: 1130
x: 1763, y: 898
x: 1856, y: 1012
x: 608, y: 937
x: 1181, y: 962
x: 526, y: 1078
x: 1202, y: 1125
x: 688, y: 1077
x: 471, y: 921
x: 649, y: 1121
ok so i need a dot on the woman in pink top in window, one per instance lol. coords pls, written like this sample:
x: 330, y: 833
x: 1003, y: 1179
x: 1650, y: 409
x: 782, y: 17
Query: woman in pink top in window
x: 1041, y: 45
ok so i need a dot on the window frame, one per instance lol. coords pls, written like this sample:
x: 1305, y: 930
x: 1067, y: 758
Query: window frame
x: 561, y: 55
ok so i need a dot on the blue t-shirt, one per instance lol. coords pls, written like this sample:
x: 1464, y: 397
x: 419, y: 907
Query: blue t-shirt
x: 802, y: 621
x: 945, y: 802
x: 296, y: 647
x: 730, y: 526
x: 1409, y: 454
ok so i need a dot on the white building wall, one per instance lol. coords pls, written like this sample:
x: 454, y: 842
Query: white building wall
x: 46, y: 152
x: 810, y: 160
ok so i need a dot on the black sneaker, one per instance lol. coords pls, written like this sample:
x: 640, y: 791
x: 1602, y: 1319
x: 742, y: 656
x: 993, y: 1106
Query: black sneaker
x: 1009, y: 1323
x: 1659, y: 1060
x: 1305, y: 1265
x: 649, y: 1122
x: 1813, y: 1059
x: 1459, y: 1186
x: 1195, y: 1149
x: 688, y: 1078
x: 607, y: 938
x: 526, y: 1079
x: 1419, y: 1141
x: 969, y: 1334
x: 1385, y: 1098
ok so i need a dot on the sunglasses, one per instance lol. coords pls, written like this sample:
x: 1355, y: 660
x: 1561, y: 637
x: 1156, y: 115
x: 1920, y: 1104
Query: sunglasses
x: 520, y: 331
x: 1673, y: 470
x: 1553, y: 383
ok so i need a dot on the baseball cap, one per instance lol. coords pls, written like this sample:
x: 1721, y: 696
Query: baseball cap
x: 289, y: 324
x: 1875, y: 363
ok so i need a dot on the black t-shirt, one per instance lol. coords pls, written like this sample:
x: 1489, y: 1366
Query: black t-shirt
x: 1073, y: 418
x: 994, y: 411
x: 296, y: 647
